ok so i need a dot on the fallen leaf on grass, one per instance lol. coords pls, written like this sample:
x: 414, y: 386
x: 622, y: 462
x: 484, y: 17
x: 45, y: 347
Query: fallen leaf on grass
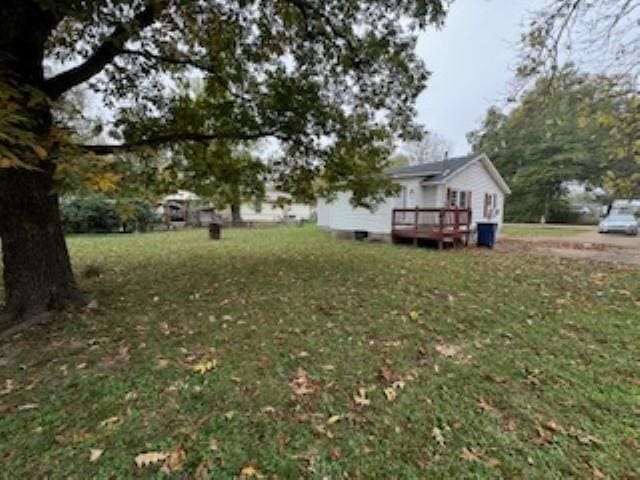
x: 174, y: 461
x: 95, y: 454
x: 584, y: 437
x: 413, y: 315
x: 387, y: 374
x: 202, y: 471
x: 214, y: 446
x: 553, y: 426
x: 447, y: 350
x: 28, y: 406
x: 8, y: 388
x: 509, y: 424
x: 471, y: 454
x: 544, y: 436
x: 162, y: 363
x: 335, y: 453
x: 484, y: 405
x: 150, y: 458
x: 599, y: 475
x: 390, y: 393
x: 109, y: 422
x: 436, y: 433
x: 250, y: 472
x: 334, y: 419
x: 205, y: 366
x: 360, y: 398
x: 303, y: 384
x: 399, y: 385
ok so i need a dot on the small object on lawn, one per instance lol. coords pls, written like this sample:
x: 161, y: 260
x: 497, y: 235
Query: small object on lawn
x: 214, y: 231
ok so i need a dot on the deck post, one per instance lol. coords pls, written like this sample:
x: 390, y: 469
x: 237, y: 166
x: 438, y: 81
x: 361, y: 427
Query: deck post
x: 415, y: 227
x: 441, y: 217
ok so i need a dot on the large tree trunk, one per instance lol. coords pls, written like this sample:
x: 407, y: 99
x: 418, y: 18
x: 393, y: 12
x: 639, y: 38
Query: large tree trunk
x: 236, y: 218
x: 37, y: 272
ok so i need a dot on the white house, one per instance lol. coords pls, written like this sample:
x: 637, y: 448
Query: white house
x: 275, y: 207
x: 465, y: 182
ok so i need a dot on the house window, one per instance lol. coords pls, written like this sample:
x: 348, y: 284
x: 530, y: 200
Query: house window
x: 462, y: 200
x: 491, y: 205
x: 257, y: 205
x: 458, y: 198
x: 452, y: 198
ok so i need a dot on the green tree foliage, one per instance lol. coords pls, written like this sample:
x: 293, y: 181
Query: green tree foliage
x: 568, y: 127
x: 226, y: 174
x: 314, y: 77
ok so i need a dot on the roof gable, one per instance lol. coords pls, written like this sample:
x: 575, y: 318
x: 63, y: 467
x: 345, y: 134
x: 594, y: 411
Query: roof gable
x: 439, y: 172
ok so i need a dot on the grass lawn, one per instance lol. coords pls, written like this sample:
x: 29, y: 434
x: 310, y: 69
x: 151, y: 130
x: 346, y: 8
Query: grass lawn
x: 284, y: 353
x: 536, y: 230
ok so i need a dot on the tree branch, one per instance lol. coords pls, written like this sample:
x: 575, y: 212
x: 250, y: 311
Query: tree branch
x: 184, y: 62
x: 303, y: 7
x: 105, y: 53
x: 169, y: 138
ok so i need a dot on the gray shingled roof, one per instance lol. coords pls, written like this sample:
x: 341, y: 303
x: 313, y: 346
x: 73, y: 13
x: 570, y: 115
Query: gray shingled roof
x: 436, y: 171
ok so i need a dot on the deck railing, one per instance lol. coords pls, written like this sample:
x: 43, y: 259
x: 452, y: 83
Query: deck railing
x: 432, y: 217
x: 432, y: 223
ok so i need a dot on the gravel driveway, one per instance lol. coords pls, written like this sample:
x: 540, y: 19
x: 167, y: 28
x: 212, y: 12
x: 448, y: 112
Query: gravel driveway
x: 589, y: 245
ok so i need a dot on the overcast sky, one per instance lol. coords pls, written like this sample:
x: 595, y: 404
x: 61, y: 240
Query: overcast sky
x: 471, y: 60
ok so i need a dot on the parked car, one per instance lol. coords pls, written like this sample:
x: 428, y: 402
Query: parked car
x: 620, y: 223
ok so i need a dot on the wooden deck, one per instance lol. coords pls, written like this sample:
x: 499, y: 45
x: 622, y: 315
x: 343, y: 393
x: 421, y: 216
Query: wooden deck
x: 442, y: 225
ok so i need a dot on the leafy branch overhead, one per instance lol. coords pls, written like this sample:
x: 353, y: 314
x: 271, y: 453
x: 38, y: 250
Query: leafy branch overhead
x: 325, y: 80
x: 602, y: 34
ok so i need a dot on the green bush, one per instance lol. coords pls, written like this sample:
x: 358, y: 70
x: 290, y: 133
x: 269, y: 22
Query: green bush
x: 100, y: 214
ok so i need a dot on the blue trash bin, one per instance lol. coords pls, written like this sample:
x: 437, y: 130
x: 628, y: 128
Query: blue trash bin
x: 487, y: 234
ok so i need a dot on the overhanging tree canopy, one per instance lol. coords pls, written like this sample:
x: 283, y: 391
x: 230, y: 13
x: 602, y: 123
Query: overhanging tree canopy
x: 333, y: 80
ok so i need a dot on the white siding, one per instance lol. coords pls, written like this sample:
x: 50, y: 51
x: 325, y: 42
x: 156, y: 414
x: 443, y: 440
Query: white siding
x: 323, y: 210
x: 476, y: 179
x: 342, y: 216
x: 431, y: 196
x: 414, y: 192
x: 270, y: 213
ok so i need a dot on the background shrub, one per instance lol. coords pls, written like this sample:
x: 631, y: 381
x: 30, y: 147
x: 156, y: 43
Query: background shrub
x: 99, y: 214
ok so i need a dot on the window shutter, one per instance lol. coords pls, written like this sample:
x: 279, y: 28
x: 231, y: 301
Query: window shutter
x: 447, y: 201
x: 469, y: 204
x: 486, y: 205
